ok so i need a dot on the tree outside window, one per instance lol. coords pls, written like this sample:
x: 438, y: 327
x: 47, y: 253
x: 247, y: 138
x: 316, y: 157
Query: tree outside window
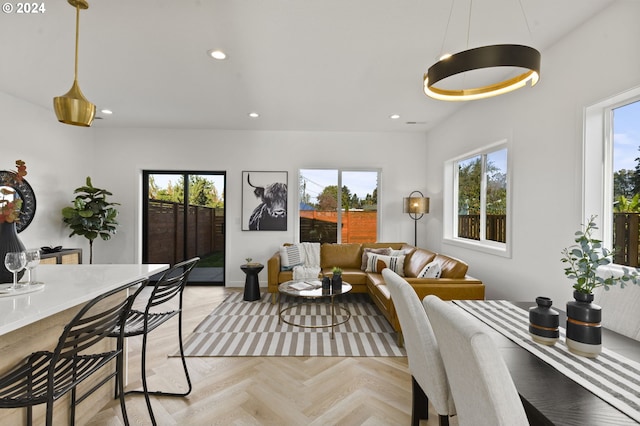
x: 482, y: 196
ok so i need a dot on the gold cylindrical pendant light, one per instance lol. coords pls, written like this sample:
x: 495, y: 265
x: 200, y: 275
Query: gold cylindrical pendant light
x: 72, y: 107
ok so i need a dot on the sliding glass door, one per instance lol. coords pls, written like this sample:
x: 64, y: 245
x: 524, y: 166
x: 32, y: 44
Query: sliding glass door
x: 183, y: 217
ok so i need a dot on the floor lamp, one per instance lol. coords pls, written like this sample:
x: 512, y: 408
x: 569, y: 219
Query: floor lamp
x: 416, y: 204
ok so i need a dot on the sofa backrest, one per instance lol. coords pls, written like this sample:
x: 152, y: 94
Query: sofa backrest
x: 451, y: 267
x: 342, y: 255
x: 416, y: 260
x: 395, y: 246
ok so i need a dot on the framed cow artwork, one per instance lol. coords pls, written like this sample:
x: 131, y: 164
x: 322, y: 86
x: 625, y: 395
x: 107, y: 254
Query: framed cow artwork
x: 264, y: 201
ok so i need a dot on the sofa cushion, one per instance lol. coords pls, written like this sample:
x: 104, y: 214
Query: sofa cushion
x: 367, y: 250
x: 417, y: 260
x: 431, y: 270
x: 342, y: 255
x: 290, y: 256
x: 378, y: 262
x: 451, y: 267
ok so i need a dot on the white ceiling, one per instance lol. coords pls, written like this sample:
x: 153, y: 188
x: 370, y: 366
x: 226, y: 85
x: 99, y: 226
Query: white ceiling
x: 317, y: 65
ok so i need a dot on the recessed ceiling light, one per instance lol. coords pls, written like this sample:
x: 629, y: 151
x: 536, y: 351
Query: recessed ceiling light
x: 254, y: 115
x: 106, y: 111
x: 394, y: 116
x: 217, y: 54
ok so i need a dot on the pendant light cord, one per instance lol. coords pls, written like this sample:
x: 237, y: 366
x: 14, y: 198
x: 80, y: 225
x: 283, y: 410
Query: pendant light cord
x: 526, y: 21
x: 446, y: 31
x: 469, y: 22
x: 75, y: 72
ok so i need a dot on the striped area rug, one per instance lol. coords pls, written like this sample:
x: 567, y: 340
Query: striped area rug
x: 610, y: 376
x: 239, y: 328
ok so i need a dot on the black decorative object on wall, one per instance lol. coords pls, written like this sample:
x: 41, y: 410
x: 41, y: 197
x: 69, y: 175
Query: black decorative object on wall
x: 264, y: 201
x: 24, y: 192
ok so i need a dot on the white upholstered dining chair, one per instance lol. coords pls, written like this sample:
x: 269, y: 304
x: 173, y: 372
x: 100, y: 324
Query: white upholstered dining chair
x: 480, y: 381
x: 620, y: 309
x: 428, y: 376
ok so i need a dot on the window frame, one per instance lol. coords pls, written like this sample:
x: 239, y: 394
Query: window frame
x: 450, y: 207
x: 597, y: 164
x: 340, y: 171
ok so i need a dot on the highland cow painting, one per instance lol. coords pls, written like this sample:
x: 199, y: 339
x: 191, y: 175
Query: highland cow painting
x: 264, y: 201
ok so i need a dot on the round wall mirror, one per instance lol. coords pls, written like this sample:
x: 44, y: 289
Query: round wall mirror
x: 24, y: 192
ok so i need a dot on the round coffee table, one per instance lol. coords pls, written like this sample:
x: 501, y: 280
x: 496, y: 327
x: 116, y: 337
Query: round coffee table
x: 312, y: 289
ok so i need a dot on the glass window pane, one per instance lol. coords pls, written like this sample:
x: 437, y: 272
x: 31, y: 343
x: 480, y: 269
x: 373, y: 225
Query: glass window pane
x: 469, y: 180
x: 626, y: 184
x: 318, y: 205
x: 496, y: 205
x: 359, y: 206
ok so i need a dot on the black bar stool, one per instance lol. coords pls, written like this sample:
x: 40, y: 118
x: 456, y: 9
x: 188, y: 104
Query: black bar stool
x: 44, y: 376
x: 139, y: 323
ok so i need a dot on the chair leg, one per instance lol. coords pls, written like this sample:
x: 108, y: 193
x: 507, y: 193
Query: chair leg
x: 120, y: 386
x: 184, y: 366
x: 145, y: 387
x: 420, y: 409
x: 184, y: 361
x: 444, y: 420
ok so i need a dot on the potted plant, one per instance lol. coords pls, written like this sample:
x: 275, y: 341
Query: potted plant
x: 583, y: 317
x: 586, y: 256
x: 92, y: 215
x: 336, y: 279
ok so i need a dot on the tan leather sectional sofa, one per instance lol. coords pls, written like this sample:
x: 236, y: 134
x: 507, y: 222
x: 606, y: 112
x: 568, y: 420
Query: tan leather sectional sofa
x: 454, y: 283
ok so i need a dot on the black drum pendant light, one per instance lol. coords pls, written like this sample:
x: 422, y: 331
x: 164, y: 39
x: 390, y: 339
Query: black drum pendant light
x: 72, y: 107
x: 500, y: 55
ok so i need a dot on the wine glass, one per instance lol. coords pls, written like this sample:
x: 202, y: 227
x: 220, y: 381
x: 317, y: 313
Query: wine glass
x: 14, y: 262
x: 33, y: 260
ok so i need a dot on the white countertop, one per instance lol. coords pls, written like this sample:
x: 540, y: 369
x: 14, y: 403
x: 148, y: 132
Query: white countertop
x: 66, y: 286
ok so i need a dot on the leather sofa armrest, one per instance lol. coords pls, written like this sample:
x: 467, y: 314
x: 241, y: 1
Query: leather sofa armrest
x: 273, y: 270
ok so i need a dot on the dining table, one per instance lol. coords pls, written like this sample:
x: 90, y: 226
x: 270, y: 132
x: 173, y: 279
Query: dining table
x: 568, y: 389
x: 33, y: 317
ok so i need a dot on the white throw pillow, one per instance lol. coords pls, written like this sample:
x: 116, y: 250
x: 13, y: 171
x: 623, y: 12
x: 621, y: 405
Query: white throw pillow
x: 291, y: 256
x: 431, y: 270
x: 378, y: 262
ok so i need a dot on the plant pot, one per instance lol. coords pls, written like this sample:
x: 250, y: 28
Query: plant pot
x: 584, y: 334
x: 336, y: 283
x: 9, y: 242
x: 543, y: 322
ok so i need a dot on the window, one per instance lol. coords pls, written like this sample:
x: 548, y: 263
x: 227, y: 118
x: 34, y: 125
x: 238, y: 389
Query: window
x: 476, y: 199
x: 625, y: 131
x: 338, y: 205
x: 611, y: 172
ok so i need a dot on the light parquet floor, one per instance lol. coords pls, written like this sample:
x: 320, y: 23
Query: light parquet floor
x: 263, y: 390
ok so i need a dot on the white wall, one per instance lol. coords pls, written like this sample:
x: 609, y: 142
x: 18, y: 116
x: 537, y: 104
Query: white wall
x: 544, y: 127
x: 122, y: 154
x: 58, y: 159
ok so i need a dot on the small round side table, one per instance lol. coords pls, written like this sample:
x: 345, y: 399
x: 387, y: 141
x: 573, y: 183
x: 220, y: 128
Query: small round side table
x: 251, y: 284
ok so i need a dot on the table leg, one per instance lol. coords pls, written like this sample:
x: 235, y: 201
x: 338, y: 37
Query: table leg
x: 279, y: 310
x: 333, y: 317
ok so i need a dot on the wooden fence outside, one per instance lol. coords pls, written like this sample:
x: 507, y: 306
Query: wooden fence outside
x: 626, y: 238
x: 166, y: 231
x: 357, y: 226
x: 469, y: 227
